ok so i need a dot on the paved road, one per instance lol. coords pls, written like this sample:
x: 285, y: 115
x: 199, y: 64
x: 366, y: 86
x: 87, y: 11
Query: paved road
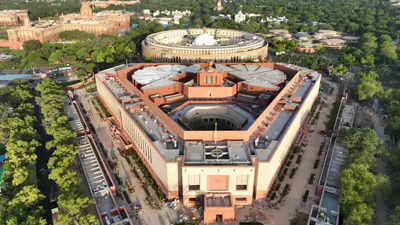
x: 150, y: 216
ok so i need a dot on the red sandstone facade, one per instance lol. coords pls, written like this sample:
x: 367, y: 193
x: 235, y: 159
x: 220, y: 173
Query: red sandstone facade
x: 13, y: 17
x: 105, y: 4
x: 106, y: 22
x: 183, y: 173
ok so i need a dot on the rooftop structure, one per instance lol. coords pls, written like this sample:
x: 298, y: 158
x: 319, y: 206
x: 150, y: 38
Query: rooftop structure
x: 220, y: 131
x: 105, y: 4
x: 203, y: 45
x: 105, y: 22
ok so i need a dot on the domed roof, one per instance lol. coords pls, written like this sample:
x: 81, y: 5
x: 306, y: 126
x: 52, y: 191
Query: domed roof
x: 204, y: 39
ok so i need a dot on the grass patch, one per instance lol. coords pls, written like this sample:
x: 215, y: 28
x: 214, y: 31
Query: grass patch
x: 103, y: 108
x: 277, y: 186
x: 305, y: 196
x: 316, y: 163
x: 298, y: 160
x: 321, y: 148
x: 311, y: 179
x: 333, y: 114
x: 148, y: 179
x: 292, y: 173
x: 68, y: 83
x: 285, y: 192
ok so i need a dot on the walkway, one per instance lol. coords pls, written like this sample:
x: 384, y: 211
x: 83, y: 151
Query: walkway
x: 150, y: 216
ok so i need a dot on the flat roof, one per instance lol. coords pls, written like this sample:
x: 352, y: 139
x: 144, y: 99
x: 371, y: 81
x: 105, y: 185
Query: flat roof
x: 213, y: 201
x: 201, y: 152
x: 254, y: 75
x: 166, y: 143
x: 337, y: 165
x: 162, y: 75
x: 230, y: 152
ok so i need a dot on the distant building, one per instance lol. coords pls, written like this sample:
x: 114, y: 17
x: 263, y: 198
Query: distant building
x: 240, y: 17
x: 13, y: 17
x: 155, y: 13
x: 4, y: 57
x: 251, y: 15
x: 104, y: 22
x: 105, y: 4
x: 219, y: 6
x: 279, y: 19
x: 146, y: 12
x: 205, y: 44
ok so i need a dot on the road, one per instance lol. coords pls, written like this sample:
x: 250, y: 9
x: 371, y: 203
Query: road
x: 150, y: 216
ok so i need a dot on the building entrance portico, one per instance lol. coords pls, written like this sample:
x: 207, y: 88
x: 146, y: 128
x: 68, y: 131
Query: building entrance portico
x: 218, y: 208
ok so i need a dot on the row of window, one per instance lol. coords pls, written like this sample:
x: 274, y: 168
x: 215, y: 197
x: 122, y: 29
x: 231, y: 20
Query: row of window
x: 239, y: 199
x: 240, y: 187
x: 138, y: 138
x: 131, y: 128
x: 209, y: 79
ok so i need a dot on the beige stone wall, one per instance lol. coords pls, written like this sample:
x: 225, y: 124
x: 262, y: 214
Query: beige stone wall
x: 267, y: 170
x: 259, y: 176
x: 161, y: 46
x: 158, y: 52
x: 163, y: 171
x: 203, y: 174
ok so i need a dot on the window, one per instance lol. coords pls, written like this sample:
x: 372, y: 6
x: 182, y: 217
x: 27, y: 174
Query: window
x: 241, y: 182
x: 194, y: 187
x: 209, y: 79
x: 241, y: 187
x: 241, y: 199
x: 214, y: 79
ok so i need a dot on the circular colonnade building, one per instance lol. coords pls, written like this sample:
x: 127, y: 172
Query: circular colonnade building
x: 201, y: 45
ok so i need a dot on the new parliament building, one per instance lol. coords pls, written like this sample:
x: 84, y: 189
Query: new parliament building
x: 214, y: 133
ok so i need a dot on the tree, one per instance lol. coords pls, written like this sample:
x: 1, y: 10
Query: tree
x: 24, y: 208
x: 369, y: 44
x: 339, y: 70
x: 396, y: 216
x: 387, y: 49
x: 76, y: 35
x: 368, y: 85
x: 32, y: 45
x: 361, y: 214
x: 357, y: 185
x: 349, y: 59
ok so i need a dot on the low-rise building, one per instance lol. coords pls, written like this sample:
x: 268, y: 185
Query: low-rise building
x: 13, y: 17
x: 105, y: 4
x: 240, y: 17
x: 279, y: 19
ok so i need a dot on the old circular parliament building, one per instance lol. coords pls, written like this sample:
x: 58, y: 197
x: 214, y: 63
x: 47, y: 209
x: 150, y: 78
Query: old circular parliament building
x: 202, y: 45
